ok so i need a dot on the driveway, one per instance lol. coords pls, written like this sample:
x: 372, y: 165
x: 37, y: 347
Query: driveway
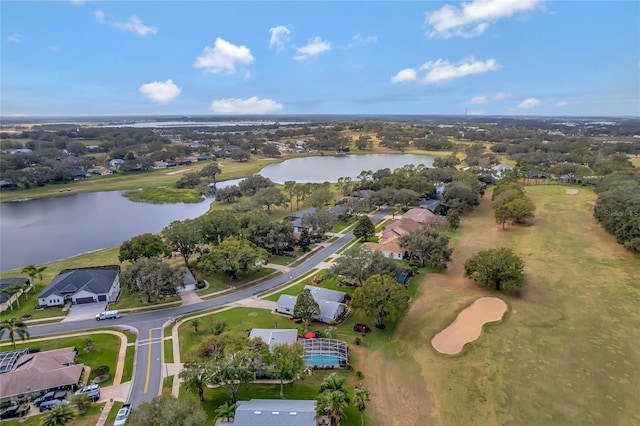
x: 84, y: 311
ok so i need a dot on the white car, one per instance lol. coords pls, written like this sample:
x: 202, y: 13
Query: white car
x: 123, y: 414
x: 92, y: 391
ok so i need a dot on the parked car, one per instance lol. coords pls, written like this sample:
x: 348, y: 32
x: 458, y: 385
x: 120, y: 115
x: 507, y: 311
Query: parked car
x: 92, y: 391
x: 107, y: 315
x: 50, y: 396
x: 123, y: 414
x: 9, y: 412
x: 48, y: 404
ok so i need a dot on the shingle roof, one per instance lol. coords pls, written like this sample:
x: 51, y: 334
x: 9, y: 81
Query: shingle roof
x: 41, y: 371
x: 400, y: 227
x: 275, y: 336
x: 8, y: 282
x: 386, y: 244
x: 94, y: 280
x: 275, y: 412
x: 286, y: 301
x: 320, y: 293
x: 427, y: 218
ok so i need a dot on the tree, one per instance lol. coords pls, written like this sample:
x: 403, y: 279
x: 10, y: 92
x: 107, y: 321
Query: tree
x: 210, y: 171
x: 81, y: 402
x: 431, y: 247
x: 360, y: 264
x: 406, y: 197
x: 34, y: 271
x: 270, y: 196
x: 188, y: 180
x: 290, y: 189
x: 361, y: 395
x: 195, y: 323
x: 279, y: 237
x: 500, y: 268
x: 15, y: 329
x: 364, y: 229
x: 333, y: 398
x: 166, y: 410
x: 271, y: 150
x: 381, y: 298
x: 304, y: 241
x: 152, y: 277
x: 229, y: 193
x: 288, y: 362
x: 446, y: 162
x: 58, y: 415
x: 88, y: 344
x: 240, y: 155
x: 218, y: 225
x: 320, y: 197
x: 226, y: 411
x: 320, y: 221
x: 144, y: 245
x: 306, y: 307
x: 250, y: 185
x: 233, y: 256
x: 195, y: 377
x: 183, y: 237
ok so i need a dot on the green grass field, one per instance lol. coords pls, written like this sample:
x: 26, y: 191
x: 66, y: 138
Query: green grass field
x: 566, y: 353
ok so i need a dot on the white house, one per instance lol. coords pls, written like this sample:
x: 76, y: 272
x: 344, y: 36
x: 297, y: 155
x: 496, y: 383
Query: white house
x: 275, y: 336
x: 331, y: 303
x: 85, y: 285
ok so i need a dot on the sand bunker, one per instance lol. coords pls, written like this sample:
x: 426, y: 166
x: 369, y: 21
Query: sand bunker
x: 570, y: 191
x: 467, y: 326
x: 175, y: 172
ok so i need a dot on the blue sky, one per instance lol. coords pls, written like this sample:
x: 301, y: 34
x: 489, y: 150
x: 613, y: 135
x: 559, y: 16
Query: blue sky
x: 492, y: 57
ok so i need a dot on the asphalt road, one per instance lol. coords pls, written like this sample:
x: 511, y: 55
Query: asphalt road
x: 147, y: 379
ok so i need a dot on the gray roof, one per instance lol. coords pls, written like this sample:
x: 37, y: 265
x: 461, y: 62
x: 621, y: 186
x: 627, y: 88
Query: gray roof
x: 320, y: 293
x: 275, y: 336
x: 275, y: 412
x: 297, y: 216
x: 189, y: 279
x: 94, y: 280
x: 328, y: 309
x: 8, y: 282
x: 286, y: 301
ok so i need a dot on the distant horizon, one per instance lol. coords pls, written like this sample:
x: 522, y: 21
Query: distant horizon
x: 528, y: 58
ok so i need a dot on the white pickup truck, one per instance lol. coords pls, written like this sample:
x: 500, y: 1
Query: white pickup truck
x: 123, y: 414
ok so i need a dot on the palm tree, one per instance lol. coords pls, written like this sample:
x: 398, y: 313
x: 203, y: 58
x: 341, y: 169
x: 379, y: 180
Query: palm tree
x: 226, y: 411
x: 10, y: 290
x: 15, y: 328
x: 195, y: 323
x: 59, y: 415
x: 333, y: 403
x: 333, y: 382
x: 361, y: 396
x: 329, y: 331
x: 34, y: 271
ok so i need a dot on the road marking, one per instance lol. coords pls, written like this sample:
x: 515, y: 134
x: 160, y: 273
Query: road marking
x: 149, y: 342
x: 146, y: 383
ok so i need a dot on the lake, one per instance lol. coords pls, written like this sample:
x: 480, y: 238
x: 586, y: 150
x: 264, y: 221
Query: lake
x: 43, y: 230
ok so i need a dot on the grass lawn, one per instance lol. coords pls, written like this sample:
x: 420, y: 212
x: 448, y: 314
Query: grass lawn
x: 167, y: 384
x: 135, y: 300
x: 127, y: 371
x: 106, y: 347
x: 340, y: 226
x: 330, y: 283
x: 168, y: 349
x: 219, y: 282
x: 282, y: 260
x: 113, y: 413
x: 301, y: 389
x: 88, y: 418
x: 566, y: 352
x: 165, y: 195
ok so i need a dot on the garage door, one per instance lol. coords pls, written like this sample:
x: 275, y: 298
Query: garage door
x: 81, y: 300
x: 102, y: 298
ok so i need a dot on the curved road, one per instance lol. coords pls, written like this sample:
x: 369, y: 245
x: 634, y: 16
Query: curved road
x: 147, y: 380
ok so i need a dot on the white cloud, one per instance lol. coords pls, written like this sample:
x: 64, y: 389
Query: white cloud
x: 407, y: 74
x: 478, y: 100
x: 315, y: 47
x: 361, y: 40
x: 561, y: 103
x: 500, y: 96
x: 441, y: 71
x: 279, y: 37
x: 160, y: 92
x: 132, y: 24
x: 529, y: 103
x: 15, y: 38
x: 77, y: 2
x: 223, y: 56
x: 251, y: 105
x: 473, y: 18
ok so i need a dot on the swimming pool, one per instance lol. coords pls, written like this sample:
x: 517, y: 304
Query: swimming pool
x: 322, y: 360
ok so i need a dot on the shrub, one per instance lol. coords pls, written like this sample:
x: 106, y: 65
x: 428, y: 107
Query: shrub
x: 218, y: 327
x: 101, y: 371
x: 33, y: 350
x: 358, y: 341
x: 359, y: 374
x: 200, y: 285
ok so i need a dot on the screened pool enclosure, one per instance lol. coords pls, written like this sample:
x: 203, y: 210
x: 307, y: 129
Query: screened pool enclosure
x: 325, y: 352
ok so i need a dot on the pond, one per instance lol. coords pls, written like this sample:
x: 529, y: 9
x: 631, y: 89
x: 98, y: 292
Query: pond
x: 43, y: 230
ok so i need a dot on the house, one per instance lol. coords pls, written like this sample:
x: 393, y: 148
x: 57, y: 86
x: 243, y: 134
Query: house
x: 102, y: 171
x: 116, y: 162
x: 274, y: 412
x: 275, y: 336
x: 331, y: 302
x: 189, y: 282
x: 160, y: 165
x: 7, y: 184
x: 84, y: 285
x: 500, y: 169
x: 389, y: 248
x: 10, y: 291
x: 296, y: 221
x: 24, y: 374
x: 426, y: 219
x: 80, y: 174
x: 400, y: 227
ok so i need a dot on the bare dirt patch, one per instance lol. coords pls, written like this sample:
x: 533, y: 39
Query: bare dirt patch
x: 467, y: 326
x: 175, y: 172
x: 570, y: 191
